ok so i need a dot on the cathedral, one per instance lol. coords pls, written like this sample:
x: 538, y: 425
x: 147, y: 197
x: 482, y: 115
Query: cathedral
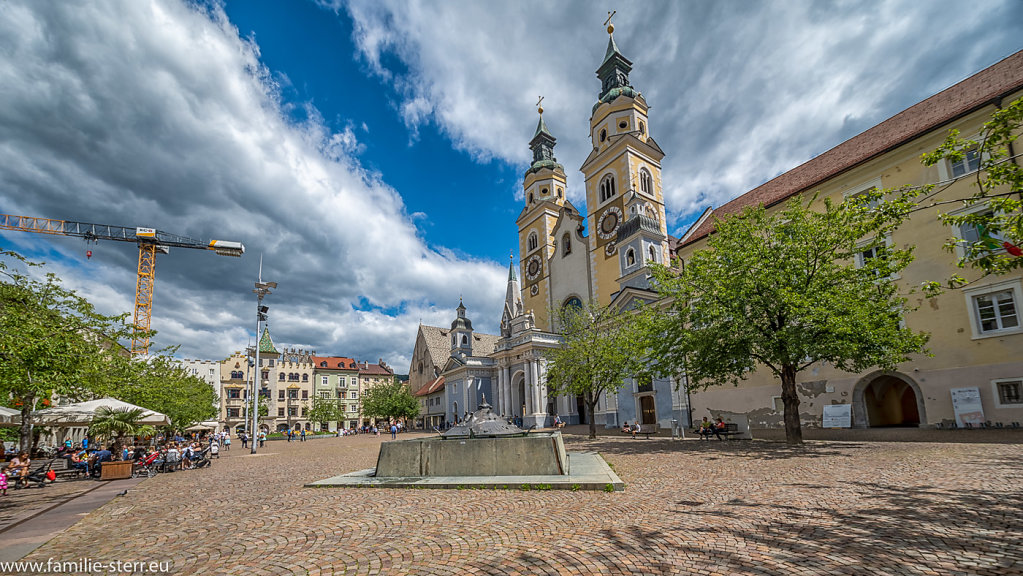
x: 567, y: 258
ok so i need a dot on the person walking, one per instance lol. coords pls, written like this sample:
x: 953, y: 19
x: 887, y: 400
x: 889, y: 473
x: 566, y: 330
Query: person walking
x: 262, y: 439
x: 394, y: 431
x: 227, y: 442
x: 245, y: 439
x: 302, y: 435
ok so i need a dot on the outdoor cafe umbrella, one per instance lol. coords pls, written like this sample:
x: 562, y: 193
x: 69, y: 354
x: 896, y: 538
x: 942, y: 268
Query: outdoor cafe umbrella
x: 82, y: 413
x: 208, y: 425
x: 9, y: 417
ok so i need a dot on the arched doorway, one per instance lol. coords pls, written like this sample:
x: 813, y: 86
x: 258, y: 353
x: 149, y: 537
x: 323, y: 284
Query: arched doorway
x: 887, y: 399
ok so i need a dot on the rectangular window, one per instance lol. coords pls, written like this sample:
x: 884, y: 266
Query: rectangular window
x: 293, y: 394
x: 325, y: 395
x: 271, y: 363
x: 280, y: 412
x: 969, y: 163
x: 232, y: 412
x: 292, y: 411
x: 305, y: 394
x: 305, y: 411
x: 324, y: 380
x: 343, y: 408
x: 340, y: 394
x: 354, y: 395
x: 996, y: 311
x: 280, y: 394
x: 234, y: 393
x: 1010, y: 392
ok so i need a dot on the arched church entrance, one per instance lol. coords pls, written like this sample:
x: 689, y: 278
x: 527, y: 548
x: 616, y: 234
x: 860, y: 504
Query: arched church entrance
x: 887, y: 399
x: 647, y: 410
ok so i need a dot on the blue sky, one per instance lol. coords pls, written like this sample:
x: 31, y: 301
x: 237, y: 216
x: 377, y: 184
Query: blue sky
x: 372, y: 151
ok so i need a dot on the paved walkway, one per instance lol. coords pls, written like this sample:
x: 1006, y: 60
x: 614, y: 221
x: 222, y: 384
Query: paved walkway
x: 690, y: 507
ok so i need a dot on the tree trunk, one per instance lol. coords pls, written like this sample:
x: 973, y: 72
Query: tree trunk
x: 25, y: 431
x: 793, y: 430
x: 590, y: 400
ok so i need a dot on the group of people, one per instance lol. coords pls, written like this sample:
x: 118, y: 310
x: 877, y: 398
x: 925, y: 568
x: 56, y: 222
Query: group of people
x: 715, y: 428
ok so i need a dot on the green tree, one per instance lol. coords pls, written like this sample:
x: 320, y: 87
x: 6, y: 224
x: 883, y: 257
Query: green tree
x: 602, y: 346
x: 998, y: 222
x: 390, y: 400
x: 52, y: 341
x: 784, y: 291
x: 116, y: 423
x: 160, y: 384
x: 326, y: 410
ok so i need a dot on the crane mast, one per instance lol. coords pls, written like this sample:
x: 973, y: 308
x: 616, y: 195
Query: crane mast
x: 149, y: 241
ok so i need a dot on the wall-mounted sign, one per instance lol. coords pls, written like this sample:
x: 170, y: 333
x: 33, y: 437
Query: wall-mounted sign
x: 837, y: 416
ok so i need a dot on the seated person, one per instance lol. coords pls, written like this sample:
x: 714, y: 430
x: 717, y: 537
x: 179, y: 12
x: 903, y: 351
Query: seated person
x: 79, y: 461
x: 99, y: 457
x: 18, y: 468
x: 706, y: 429
x: 635, y: 428
x: 719, y: 428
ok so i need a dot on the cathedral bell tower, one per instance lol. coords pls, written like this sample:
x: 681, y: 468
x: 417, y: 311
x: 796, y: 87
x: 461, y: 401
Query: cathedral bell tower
x: 623, y: 178
x: 544, y: 190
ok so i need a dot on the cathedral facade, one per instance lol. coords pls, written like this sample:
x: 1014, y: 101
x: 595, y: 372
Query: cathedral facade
x: 568, y: 258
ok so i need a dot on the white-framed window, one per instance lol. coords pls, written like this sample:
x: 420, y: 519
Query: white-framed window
x: 354, y: 395
x: 862, y: 189
x: 646, y: 182
x: 969, y: 233
x: 325, y: 395
x: 607, y: 188
x: 533, y: 241
x: 652, y: 253
x: 1008, y: 392
x: 864, y: 256
x: 969, y: 163
x: 630, y: 257
x: 995, y: 308
x: 324, y: 380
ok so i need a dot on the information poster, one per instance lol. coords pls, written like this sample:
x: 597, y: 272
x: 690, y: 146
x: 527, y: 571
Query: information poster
x: 967, y: 407
x: 837, y: 416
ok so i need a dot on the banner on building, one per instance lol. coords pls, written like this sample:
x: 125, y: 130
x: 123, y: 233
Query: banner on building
x: 967, y: 406
x: 837, y: 416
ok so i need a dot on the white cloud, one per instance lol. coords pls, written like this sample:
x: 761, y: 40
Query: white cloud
x: 157, y: 114
x: 739, y: 91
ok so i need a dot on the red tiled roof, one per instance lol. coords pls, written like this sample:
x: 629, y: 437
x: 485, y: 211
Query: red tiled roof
x: 373, y: 370
x: 431, y: 387
x: 333, y: 361
x: 977, y: 91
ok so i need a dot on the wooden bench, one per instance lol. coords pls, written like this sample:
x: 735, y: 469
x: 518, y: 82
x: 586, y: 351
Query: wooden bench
x: 647, y: 430
x: 731, y: 430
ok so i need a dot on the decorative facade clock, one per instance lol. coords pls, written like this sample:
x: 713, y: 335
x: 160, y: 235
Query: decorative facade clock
x: 610, y: 220
x: 533, y: 267
x: 534, y: 290
x: 609, y: 248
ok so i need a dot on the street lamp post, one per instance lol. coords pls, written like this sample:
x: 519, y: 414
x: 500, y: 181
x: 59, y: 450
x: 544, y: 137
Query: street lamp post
x: 262, y: 289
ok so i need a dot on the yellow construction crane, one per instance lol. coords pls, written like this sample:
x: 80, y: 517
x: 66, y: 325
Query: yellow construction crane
x: 149, y: 240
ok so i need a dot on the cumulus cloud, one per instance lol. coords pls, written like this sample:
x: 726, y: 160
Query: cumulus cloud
x: 739, y: 92
x: 158, y: 114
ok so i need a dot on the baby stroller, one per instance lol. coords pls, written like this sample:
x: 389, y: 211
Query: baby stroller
x: 201, y: 459
x: 147, y: 466
x: 37, y: 477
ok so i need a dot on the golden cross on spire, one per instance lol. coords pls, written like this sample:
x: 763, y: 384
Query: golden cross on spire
x: 610, y: 26
x: 539, y: 108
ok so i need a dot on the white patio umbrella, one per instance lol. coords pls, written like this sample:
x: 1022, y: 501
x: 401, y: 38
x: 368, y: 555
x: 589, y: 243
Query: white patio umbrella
x: 208, y: 425
x: 81, y: 414
x: 9, y: 417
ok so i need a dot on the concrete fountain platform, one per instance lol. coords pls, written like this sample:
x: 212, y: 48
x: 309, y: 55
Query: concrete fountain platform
x: 587, y: 471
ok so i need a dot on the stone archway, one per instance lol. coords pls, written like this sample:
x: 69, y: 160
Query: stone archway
x: 887, y: 399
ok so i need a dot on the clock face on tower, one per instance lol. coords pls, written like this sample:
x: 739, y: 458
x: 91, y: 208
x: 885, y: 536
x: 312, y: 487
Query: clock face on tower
x: 533, y: 267
x: 607, y: 225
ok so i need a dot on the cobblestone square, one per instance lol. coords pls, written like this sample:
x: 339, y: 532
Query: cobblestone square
x: 690, y: 507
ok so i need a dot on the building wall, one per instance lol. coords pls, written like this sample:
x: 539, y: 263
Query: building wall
x: 960, y: 356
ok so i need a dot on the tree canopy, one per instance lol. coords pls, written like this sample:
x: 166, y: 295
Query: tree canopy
x: 325, y: 410
x: 390, y: 400
x: 785, y: 291
x: 602, y: 346
x: 994, y: 212
x: 52, y: 341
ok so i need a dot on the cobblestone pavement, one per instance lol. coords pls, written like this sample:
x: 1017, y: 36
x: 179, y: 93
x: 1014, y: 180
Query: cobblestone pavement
x: 689, y: 507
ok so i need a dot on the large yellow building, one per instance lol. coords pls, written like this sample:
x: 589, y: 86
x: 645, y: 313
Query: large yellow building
x: 976, y: 332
